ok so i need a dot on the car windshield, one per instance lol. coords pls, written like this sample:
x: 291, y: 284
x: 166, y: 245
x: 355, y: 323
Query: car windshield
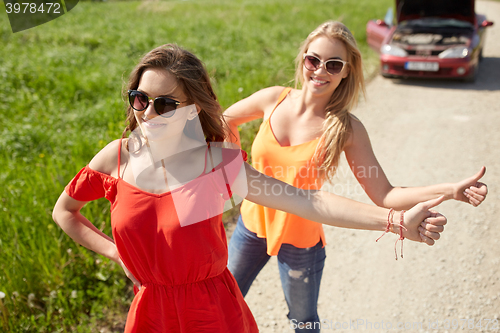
x: 437, y: 23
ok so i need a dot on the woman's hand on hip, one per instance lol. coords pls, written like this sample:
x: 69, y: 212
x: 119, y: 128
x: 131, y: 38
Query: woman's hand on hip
x: 130, y: 275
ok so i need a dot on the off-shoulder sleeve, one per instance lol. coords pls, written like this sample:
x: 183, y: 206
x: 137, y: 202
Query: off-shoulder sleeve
x: 87, y: 185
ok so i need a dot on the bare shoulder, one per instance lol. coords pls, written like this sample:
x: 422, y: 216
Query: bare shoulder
x: 269, y: 95
x: 353, y: 117
x: 358, y: 131
x: 268, y: 98
x: 257, y: 105
x: 106, y: 161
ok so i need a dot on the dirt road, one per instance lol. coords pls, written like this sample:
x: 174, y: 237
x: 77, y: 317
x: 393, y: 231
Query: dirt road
x: 422, y: 133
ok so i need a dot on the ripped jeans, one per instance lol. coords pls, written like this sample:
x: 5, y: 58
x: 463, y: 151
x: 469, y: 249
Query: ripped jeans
x: 300, y: 273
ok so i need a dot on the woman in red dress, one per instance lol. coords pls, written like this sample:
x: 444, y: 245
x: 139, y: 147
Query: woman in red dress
x: 167, y: 189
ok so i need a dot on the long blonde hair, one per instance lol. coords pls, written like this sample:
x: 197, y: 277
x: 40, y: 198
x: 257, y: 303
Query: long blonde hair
x: 194, y: 81
x: 336, y: 126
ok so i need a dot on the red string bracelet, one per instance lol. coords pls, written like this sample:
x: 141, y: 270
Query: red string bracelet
x: 389, y: 227
x: 401, y: 237
x: 389, y: 223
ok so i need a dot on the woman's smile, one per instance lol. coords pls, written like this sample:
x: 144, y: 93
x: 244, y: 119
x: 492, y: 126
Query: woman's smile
x: 318, y: 82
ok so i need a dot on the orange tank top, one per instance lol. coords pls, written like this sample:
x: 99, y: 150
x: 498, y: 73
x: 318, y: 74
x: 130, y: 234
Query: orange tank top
x: 292, y: 165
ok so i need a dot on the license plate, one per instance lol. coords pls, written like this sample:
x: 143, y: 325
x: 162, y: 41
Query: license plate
x: 422, y: 66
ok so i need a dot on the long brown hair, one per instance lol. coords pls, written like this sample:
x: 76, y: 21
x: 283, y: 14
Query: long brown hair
x: 194, y: 80
x: 336, y: 126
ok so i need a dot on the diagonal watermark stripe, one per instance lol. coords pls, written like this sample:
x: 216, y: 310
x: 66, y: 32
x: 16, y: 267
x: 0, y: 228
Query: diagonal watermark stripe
x: 26, y: 14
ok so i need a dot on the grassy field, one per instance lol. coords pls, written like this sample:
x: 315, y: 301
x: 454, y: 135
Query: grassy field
x: 61, y: 103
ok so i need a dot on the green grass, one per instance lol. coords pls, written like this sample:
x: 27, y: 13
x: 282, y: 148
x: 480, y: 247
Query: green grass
x: 61, y: 103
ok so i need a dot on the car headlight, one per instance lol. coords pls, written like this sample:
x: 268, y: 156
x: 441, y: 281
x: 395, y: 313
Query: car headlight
x: 455, y: 52
x: 393, y: 50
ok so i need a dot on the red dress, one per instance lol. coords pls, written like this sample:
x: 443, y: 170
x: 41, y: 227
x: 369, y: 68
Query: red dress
x: 186, y: 286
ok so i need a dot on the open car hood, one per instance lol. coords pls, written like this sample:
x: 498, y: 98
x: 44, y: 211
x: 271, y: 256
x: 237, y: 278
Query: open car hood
x: 454, y: 9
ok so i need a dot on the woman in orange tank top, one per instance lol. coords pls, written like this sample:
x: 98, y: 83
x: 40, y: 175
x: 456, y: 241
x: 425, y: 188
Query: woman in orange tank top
x: 300, y: 140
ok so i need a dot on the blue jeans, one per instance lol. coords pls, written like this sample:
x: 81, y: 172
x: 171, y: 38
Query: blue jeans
x: 300, y: 272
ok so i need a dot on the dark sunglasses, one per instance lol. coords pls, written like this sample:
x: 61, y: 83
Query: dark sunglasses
x: 139, y: 101
x: 333, y: 66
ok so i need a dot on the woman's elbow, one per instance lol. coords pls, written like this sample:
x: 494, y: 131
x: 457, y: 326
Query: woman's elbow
x: 63, y: 209
x: 231, y: 123
x: 56, y: 215
x: 382, y: 199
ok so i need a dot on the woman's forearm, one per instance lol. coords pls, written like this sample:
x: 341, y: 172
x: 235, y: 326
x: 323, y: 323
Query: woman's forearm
x: 407, y: 197
x: 331, y: 209
x: 314, y: 205
x: 82, y: 231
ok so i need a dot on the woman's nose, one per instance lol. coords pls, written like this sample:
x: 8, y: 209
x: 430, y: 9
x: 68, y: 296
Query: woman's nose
x: 150, y: 112
x: 321, y: 69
